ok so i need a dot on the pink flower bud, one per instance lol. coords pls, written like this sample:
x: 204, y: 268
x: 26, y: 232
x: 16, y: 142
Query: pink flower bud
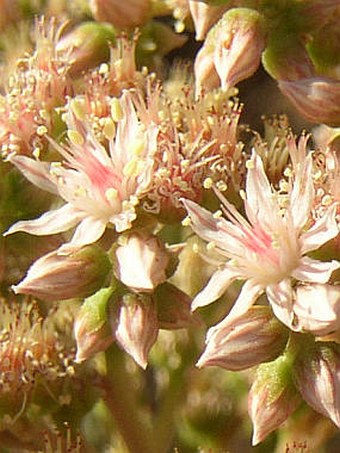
x: 92, y: 330
x: 174, y: 308
x: 137, y: 327
x: 233, y: 49
x: 204, y: 16
x: 317, y: 99
x: 272, y: 398
x: 142, y: 261
x: 126, y: 14
x: 59, y: 277
x: 87, y: 45
x: 248, y: 340
x: 317, y: 308
x: 317, y: 376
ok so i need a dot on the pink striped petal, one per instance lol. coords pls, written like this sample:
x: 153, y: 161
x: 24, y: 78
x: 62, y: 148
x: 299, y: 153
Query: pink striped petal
x: 314, y: 271
x: 87, y: 232
x: 280, y: 297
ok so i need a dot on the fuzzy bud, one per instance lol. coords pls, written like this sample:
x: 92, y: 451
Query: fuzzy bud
x: 243, y: 342
x: 127, y: 14
x: 174, y: 308
x: 87, y: 45
x: 317, y: 99
x: 272, y: 397
x: 92, y: 330
x: 142, y: 261
x: 137, y: 328
x: 233, y: 49
x: 317, y: 308
x: 59, y: 277
x: 317, y: 376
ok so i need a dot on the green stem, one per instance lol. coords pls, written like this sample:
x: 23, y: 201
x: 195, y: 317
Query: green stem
x: 121, y: 399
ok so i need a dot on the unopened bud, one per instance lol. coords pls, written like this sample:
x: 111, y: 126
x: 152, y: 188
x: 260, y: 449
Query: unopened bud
x: 204, y: 16
x: 174, y: 308
x: 137, y: 328
x: 232, y: 48
x: 92, y: 329
x: 142, y: 261
x: 317, y: 99
x: 243, y: 342
x: 317, y: 308
x: 272, y: 397
x: 59, y: 277
x: 317, y: 376
x: 87, y: 45
x: 126, y: 14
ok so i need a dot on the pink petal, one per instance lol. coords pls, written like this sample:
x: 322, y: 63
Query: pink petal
x: 280, y: 297
x: 321, y: 232
x: 216, y: 286
x: 315, y: 271
x: 51, y: 222
x: 202, y: 221
x: 35, y: 171
x: 302, y: 195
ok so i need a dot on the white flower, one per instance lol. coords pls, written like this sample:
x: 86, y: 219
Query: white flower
x: 267, y: 250
x: 99, y: 188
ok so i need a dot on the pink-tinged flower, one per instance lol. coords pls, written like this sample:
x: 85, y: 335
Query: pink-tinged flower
x: 317, y: 308
x: 100, y: 188
x: 150, y: 260
x: 249, y: 340
x: 269, y: 249
x: 317, y: 376
x: 232, y: 50
x: 58, y: 277
x: 204, y: 16
x: 317, y: 99
x: 137, y: 328
x: 272, y: 398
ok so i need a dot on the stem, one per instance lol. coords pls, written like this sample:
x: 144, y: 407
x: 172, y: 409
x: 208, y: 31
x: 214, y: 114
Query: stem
x: 120, y: 398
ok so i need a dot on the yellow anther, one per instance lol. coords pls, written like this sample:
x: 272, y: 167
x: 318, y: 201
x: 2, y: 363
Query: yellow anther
x: 78, y: 108
x: 103, y: 68
x: 109, y: 129
x: 111, y: 194
x: 41, y: 130
x: 131, y: 168
x: 116, y: 110
x: 211, y: 245
x: 137, y: 147
x: 207, y: 183
x: 250, y: 164
x: 217, y: 214
x: 221, y: 185
x: 75, y: 137
x: 186, y: 221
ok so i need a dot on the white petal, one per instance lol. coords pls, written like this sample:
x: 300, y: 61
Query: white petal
x: 322, y: 231
x: 317, y: 308
x: 315, y: 271
x: 216, y: 286
x: 51, y: 222
x: 302, y: 195
x: 202, y: 221
x: 35, y: 171
x: 280, y: 297
x: 88, y: 231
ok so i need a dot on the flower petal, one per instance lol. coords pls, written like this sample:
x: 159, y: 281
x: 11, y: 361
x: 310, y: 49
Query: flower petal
x: 203, y: 222
x: 315, y: 271
x: 280, y: 297
x: 322, y: 231
x: 35, y: 171
x: 51, y: 222
x: 216, y: 286
x: 88, y: 231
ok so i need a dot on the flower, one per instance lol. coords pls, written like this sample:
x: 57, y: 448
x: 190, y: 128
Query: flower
x: 267, y: 250
x: 100, y: 189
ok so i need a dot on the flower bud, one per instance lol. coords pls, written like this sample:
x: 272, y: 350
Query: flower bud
x: 59, y: 277
x: 272, y: 397
x: 174, y: 308
x: 92, y: 330
x: 317, y: 308
x: 317, y: 99
x: 232, y: 48
x: 127, y: 14
x: 87, y: 45
x: 317, y: 377
x: 137, y: 327
x: 251, y: 339
x: 204, y: 16
x: 142, y: 261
